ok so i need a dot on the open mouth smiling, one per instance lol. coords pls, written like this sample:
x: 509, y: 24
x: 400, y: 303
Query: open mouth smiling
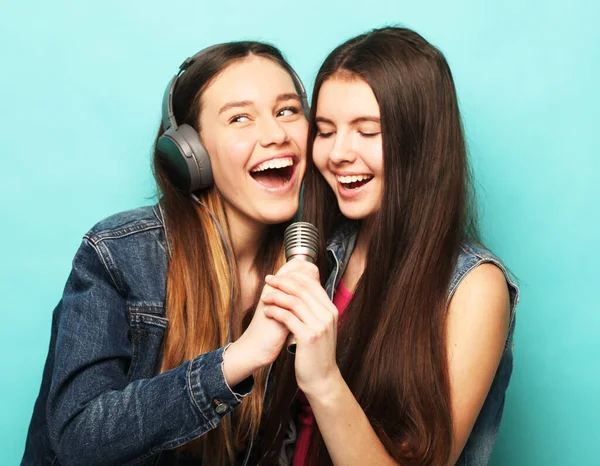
x: 353, y: 181
x: 274, y: 174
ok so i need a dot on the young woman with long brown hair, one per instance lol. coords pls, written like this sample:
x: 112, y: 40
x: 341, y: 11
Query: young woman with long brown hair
x: 410, y: 363
x: 140, y: 368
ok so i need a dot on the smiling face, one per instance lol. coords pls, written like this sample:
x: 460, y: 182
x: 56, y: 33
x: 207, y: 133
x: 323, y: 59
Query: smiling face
x: 254, y: 130
x: 348, y: 147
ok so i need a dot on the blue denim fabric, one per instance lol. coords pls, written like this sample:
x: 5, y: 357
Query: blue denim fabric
x: 102, y: 400
x: 478, y: 449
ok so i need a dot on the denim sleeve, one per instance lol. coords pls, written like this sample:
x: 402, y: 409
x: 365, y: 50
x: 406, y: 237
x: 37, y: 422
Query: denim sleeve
x: 95, y: 415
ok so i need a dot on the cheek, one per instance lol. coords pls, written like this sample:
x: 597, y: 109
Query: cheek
x: 232, y: 153
x: 299, y: 134
x: 374, y: 158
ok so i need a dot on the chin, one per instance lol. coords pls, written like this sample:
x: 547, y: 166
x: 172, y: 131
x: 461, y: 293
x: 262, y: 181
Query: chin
x: 277, y: 220
x: 354, y: 213
x: 279, y: 213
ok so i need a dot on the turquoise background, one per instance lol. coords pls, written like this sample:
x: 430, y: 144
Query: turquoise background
x: 80, y: 97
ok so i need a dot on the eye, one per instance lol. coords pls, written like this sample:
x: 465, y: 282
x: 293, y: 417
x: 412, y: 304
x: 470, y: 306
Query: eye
x: 369, y: 135
x: 324, y: 135
x: 239, y: 119
x: 288, y: 111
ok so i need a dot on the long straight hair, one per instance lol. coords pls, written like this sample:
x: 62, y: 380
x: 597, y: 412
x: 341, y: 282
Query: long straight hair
x: 198, y: 288
x: 391, y: 343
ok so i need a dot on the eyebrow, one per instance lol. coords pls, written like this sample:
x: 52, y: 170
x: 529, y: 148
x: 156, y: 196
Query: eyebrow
x: 288, y: 96
x: 359, y: 119
x: 230, y: 105
x: 247, y: 103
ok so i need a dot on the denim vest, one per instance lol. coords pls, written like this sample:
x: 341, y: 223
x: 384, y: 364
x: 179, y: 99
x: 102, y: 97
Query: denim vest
x: 101, y: 399
x: 478, y: 449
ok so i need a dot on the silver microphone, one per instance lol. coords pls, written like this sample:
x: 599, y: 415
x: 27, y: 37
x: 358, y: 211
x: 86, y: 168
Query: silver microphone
x: 301, y: 241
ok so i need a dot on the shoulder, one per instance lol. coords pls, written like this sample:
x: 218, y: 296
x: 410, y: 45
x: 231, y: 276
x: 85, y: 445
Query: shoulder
x: 126, y: 223
x: 477, y: 270
x: 483, y: 288
x: 132, y: 247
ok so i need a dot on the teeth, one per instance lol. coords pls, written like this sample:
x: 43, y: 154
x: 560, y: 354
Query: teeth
x: 275, y: 163
x: 353, y: 178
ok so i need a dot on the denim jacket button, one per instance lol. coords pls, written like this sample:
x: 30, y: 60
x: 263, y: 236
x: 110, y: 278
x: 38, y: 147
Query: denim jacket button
x: 221, y: 408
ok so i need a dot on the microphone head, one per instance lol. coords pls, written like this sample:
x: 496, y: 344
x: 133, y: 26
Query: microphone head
x: 301, y: 240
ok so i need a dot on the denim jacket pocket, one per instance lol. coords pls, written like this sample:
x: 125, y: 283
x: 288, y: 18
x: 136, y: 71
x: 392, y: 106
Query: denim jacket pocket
x: 147, y: 330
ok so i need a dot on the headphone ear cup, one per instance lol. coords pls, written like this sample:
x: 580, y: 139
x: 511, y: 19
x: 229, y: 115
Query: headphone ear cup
x: 185, y: 159
x: 199, y: 155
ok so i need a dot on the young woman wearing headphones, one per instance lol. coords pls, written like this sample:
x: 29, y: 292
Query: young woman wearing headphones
x: 141, y: 368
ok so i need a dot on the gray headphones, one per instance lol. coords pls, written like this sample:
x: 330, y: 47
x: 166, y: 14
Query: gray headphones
x: 179, y: 148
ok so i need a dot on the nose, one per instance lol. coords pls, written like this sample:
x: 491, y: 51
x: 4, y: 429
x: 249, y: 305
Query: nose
x: 271, y: 131
x: 342, y: 150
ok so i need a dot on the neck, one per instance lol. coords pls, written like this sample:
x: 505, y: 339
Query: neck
x: 362, y: 242
x: 246, y: 237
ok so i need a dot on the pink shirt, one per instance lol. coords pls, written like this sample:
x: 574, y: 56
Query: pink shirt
x: 306, y: 419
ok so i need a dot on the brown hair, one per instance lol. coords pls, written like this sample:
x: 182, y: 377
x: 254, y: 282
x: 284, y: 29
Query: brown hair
x: 393, y: 355
x: 198, y: 295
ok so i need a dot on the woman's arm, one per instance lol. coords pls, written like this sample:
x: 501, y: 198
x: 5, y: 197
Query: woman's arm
x: 476, y: 332
x: 95, y: 415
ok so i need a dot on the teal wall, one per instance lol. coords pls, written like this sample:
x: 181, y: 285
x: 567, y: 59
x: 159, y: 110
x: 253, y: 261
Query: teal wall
x: 80, y: 100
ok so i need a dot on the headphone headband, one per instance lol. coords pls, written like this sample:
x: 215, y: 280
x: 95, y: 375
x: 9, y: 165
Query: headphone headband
x: 168, y: 115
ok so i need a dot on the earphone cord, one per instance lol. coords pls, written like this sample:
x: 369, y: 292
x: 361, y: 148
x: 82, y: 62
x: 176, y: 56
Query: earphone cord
x: 232, y: 273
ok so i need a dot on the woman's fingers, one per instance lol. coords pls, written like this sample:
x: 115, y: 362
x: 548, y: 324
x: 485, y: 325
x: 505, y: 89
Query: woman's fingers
x: 287, y: 318
x: 316, y: 325
x: 294, y: 305
x: 308, y: 291
x: 299, y: 266
x: 304, y: 334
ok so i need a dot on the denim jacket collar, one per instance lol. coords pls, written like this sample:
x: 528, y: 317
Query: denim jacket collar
x: 160, y: 215
x: 339, y: 249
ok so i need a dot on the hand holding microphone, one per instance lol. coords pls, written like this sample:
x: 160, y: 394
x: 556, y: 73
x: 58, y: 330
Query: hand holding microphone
x: 261, y: 342
x: 298, y: 301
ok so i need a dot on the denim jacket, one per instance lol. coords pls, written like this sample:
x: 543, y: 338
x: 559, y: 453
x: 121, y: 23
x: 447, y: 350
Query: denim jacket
x: 102, y: 400
x: 478, y: 449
